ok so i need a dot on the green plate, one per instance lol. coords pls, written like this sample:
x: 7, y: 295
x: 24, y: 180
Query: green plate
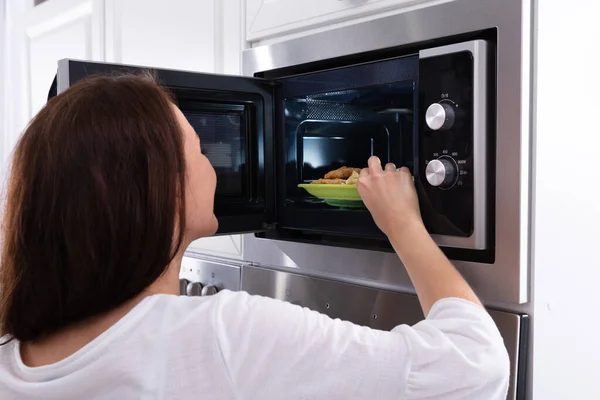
x: 344, y: 196
x: 353, y: 204
x: 332, y: 192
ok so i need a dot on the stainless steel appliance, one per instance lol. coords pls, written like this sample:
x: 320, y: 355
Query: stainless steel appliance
x: 444, y: 89
x: 267, y: 136
x: 500, y: 177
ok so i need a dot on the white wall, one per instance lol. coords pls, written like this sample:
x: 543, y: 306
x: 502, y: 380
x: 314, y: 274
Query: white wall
x: 566, y: 241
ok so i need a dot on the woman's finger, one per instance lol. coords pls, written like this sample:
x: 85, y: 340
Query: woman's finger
x: 364, y: 172
x: 374, y: 165
x: 406, y: 171
x: 390, y: 167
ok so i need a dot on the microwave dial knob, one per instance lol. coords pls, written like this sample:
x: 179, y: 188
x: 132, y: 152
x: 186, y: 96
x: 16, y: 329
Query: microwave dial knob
x: 440, y: 116
x: 441, y: 172
x: 209, y: 290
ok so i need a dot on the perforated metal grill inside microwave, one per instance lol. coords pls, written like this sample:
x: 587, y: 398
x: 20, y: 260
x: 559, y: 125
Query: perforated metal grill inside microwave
x: 330, y: 111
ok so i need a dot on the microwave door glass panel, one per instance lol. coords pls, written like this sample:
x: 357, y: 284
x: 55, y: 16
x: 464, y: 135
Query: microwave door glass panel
x: 225, y: 132
x: 222, y: 142
x: 233, y: 117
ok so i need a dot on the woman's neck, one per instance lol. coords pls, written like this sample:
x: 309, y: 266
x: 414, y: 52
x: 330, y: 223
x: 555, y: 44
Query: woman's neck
x: 68, y: 341
x: 168, y: 282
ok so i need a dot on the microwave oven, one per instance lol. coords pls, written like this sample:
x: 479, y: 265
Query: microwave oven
x: 308, y: 104
x: 268, y: 137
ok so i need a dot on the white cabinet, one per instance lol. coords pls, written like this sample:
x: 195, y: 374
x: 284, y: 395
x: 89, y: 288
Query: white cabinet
x: 179, y: 34
x: 60, y: 29
x: 265, y: 18
x: 37, y: 38
x: 203, y: 36
x: 231, y: 35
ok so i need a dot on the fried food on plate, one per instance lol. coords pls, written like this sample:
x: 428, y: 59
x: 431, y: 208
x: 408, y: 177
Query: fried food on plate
x: 328, y: 181
x: 341, y: 173
x: 352, y: 179
x: 340, y: 176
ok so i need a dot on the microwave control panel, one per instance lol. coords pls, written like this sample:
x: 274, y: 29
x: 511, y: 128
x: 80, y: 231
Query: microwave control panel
x: 452, y: 136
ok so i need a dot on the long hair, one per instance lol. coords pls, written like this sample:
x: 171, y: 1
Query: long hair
x: 95, y: 208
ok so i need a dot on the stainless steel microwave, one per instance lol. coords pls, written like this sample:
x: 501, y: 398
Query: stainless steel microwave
x: 270, y: 139
x: 431, y: 101
x: 444, y: 88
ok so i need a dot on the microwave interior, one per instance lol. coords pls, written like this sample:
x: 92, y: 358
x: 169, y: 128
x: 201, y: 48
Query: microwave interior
x: 339, y: 118
x: 331, y: 130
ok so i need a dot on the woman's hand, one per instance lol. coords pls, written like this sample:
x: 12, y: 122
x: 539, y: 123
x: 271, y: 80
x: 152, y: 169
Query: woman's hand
x: 389, y: 195
x: 391, y: 198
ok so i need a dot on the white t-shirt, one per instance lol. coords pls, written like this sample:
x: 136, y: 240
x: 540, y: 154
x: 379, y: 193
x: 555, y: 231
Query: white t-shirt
x: 236, y: 346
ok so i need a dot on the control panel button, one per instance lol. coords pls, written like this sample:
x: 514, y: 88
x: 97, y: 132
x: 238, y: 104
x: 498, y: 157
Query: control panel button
x: 209, y: 290
x: 442, y: 172
x: 194, y: 289
x: 440, y: 116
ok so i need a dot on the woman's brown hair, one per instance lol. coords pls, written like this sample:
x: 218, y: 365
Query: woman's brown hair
x: 93, y: 211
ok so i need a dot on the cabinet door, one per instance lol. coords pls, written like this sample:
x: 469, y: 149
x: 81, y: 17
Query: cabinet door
x: 55, y: 30
x: 266, y: 18
x: 31, y: 40
x: 233, y: 116
x: 178, y: 34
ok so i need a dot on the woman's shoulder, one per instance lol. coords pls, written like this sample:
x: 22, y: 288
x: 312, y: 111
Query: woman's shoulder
x: 194, y: 302
x: 236, y: 308
x: 185, y: 307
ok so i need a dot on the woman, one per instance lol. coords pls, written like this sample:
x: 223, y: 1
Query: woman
x: 108, y: 187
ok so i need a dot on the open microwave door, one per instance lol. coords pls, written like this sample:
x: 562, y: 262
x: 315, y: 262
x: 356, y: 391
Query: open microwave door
x: 233, y: 117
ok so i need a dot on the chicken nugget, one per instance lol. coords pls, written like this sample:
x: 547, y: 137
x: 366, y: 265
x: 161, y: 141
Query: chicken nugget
x: 328, y: 182
x: 341, y: 173
x: 353, y: 178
